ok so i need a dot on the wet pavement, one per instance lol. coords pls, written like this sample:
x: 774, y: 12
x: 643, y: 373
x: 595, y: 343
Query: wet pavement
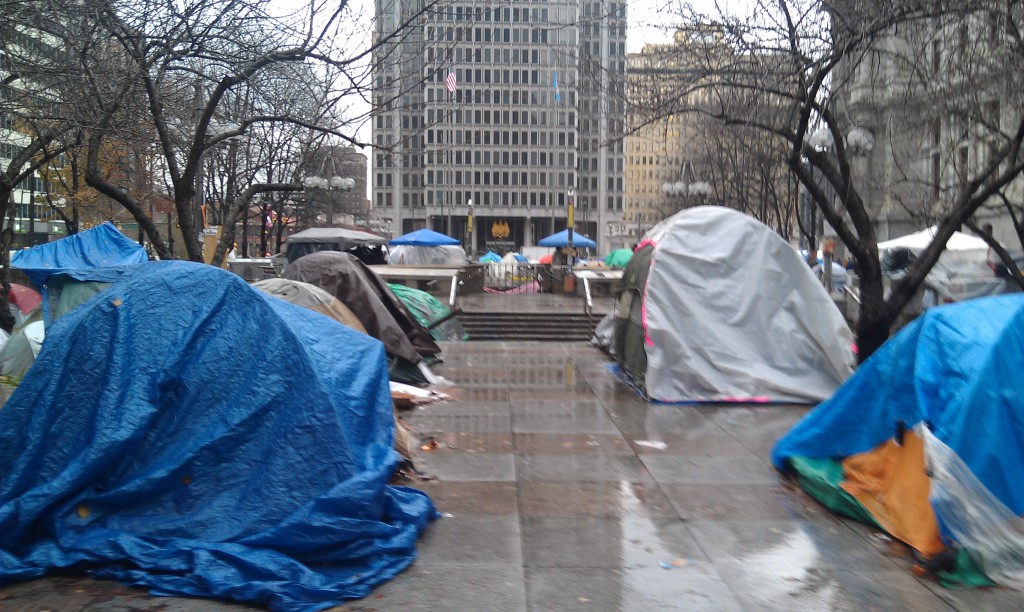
x: 565, y: 491
x: 562, y: 490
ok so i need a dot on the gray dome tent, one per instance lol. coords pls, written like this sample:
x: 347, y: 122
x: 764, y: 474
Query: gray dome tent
x: 715, y: 306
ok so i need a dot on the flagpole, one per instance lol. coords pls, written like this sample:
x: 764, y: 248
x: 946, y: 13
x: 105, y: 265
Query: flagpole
x: 448, y: 156
x: 448, y: 144
x: 450, y: 85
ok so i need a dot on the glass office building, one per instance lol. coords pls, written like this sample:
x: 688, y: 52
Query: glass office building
x: 508, y: 109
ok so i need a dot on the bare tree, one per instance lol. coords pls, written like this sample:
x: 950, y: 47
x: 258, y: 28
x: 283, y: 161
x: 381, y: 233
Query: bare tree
x: 189, y: 83
x: 808, y: 58
x: 742, y: 168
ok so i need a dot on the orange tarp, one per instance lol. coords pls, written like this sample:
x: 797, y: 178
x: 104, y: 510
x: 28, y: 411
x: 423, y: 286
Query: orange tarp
x: 891, y: 483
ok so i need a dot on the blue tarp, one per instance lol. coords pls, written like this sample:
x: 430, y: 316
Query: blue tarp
x: 955, y: 367
x: 100, y: 248
x: 184, y: 432
x: 561, y: 239
x: 425, y: 237
x: 490, y: 257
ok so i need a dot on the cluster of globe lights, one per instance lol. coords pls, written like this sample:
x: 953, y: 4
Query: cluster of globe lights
x: 699, y: 188
x: 335, y: 183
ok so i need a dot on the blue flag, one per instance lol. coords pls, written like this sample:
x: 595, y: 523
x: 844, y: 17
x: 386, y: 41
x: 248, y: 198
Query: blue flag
x: 558, y: 96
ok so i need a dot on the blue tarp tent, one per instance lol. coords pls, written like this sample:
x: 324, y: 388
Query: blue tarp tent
x: 955, y: 367
x: 561, y: 239
x: 953, y: 376
x: 424, y: 237
x: 184, y: 432
x: 99, y: 248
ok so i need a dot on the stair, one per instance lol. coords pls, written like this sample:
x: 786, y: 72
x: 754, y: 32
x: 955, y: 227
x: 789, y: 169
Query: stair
x: 530, y: 326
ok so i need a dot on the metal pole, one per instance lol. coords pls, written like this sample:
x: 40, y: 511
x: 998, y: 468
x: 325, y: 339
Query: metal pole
x: 570, y: 223
x: 469, y: 229
x: 245, y: 231
x: 330, y: 206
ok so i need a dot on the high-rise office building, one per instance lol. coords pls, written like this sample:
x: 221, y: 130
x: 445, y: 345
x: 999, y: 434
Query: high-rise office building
x: 508, y: 109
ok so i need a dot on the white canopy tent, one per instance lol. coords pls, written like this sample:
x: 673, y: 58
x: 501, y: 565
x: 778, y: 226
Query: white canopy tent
x: 917, y: 242
x: 962, y: 271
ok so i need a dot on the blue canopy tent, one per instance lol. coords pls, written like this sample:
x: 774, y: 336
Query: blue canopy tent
x: 561, y: 239
x: 101, y: 247
x: 424, y: 237
x: 151, y: 443
x: 426, y: 248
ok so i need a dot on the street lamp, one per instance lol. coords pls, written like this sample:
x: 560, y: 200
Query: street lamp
x: 334, y: 183
x: 686, y: 186
x: 859, y: 143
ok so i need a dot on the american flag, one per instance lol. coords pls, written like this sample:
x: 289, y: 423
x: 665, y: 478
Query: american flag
x: 450, y: 83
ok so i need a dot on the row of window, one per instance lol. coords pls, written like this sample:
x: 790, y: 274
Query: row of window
x: 561, y: 159
x: 533, y: 181
x: 541, y: 159
x: 486, y: 178
x: 489, y: 117
x: 565, y: 14
x: 541, y: 138
x: 487, y: 55
x: 535, y: 35
x: 544, y: 96
x: 505, y: 77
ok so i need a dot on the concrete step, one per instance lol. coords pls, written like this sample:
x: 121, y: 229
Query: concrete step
x: 535, y: 326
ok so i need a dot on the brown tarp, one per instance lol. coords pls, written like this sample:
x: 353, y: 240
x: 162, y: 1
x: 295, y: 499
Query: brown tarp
x: 383, y: 315
x: 312, y: 297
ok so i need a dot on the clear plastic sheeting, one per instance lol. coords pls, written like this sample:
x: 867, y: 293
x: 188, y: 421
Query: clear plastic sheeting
x: 440, y: 256
x: 20, y: 350
x: 604, y: 332
x: 981, y: 524
x: 961, y: 273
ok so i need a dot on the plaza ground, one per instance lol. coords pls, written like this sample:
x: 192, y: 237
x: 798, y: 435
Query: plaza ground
x: 563, y: 490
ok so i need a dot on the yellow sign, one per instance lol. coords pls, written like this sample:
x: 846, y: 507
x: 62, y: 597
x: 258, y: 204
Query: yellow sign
x: 500, y: 230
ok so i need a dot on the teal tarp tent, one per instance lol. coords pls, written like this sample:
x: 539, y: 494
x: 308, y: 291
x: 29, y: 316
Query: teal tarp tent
x: 618, y: 258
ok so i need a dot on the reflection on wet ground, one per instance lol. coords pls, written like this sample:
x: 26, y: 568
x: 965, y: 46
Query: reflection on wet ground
x: 562, y: 490
x: 566, y: 491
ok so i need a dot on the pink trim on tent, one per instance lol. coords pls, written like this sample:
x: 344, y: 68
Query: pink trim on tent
x: 643, y: 300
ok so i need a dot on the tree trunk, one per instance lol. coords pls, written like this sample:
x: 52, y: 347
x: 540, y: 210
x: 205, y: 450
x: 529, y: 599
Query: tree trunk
x: 876, y: 316
x: 6, y: 238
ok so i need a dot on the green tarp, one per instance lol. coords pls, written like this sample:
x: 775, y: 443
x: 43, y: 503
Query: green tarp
x: 428, y: 310
x: 821, y: 478
x: 618, y: 258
